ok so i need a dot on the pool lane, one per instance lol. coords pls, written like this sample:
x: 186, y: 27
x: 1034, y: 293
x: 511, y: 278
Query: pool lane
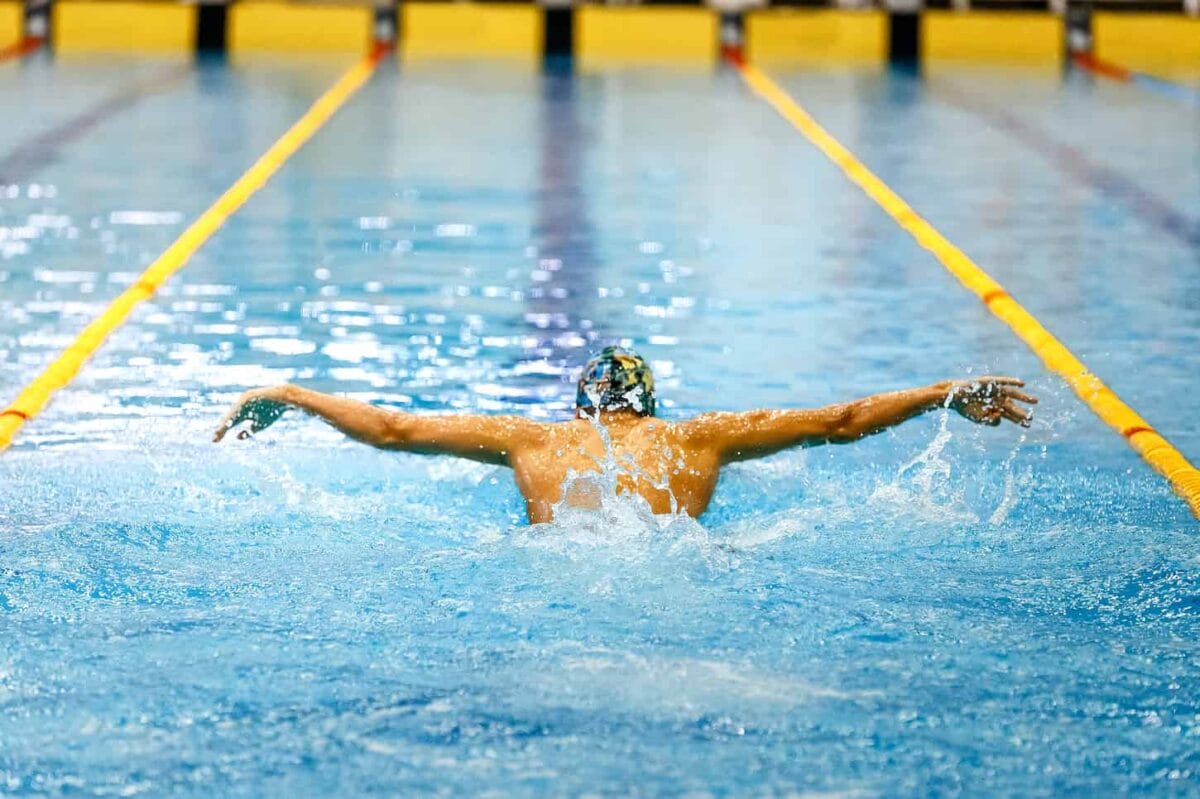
x: 400, y: 258
x: 1094, y: 240
x: 620, y: 208
x: 675, y: 232
x: 63, y: 369
x: 461, y: 235
x: 1125, y: 421
x: 106, y: 197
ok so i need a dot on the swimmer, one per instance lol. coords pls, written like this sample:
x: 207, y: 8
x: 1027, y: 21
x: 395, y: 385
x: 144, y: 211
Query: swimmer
x: 672, y: 465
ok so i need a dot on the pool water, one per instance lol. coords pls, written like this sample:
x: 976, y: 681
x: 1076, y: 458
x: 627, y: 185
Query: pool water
x: 941, y: 609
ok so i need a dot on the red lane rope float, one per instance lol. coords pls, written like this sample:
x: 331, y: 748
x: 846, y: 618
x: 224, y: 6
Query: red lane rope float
x: 1102, y: 67
x: 21, y: 48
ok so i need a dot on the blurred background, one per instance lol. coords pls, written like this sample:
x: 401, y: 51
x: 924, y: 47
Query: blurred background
x: 1133, y: 34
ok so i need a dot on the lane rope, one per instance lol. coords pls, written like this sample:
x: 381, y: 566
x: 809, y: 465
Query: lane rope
x: 63, y: 369
x: 21, y: 48
x: 1145, y: 440
x: 1160, y: 86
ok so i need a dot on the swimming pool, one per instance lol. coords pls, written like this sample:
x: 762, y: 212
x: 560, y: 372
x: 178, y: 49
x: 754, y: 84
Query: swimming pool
x: 942, y: 609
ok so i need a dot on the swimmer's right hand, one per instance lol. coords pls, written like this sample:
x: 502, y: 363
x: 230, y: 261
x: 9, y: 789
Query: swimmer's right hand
x: 260, y: 407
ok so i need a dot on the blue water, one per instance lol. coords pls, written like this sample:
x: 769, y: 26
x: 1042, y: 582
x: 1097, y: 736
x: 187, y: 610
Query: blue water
x: 942, y: 609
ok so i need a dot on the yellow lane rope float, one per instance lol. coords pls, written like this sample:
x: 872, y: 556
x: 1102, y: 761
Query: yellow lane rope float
x: 1148, y: 443
x: 63, y: 369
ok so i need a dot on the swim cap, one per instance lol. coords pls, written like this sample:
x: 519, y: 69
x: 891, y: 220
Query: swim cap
x: 616, y: 378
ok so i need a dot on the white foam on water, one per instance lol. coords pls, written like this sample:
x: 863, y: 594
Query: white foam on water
x: 1016, y: 485
x: 670, y: 686
x: 623, y: 528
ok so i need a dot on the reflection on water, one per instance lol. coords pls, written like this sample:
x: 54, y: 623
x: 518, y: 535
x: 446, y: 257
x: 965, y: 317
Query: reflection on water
x: 561, y: 303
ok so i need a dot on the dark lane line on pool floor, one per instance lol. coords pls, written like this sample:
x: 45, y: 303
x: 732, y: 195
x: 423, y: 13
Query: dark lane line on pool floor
x: 1103, y: 401
x: 1074, y: 162
x: 43, y: 149
x: 62, y: 370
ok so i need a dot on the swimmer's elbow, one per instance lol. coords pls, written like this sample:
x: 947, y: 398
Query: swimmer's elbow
x: 845, y: 425
x: 395, y: 431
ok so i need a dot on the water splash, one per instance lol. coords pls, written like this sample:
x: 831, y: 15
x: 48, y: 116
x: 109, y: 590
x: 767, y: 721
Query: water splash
x: 1013, y: 485
x: 923, y: 485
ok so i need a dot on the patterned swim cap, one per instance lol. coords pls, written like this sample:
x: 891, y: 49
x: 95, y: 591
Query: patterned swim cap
x: 616, y: 378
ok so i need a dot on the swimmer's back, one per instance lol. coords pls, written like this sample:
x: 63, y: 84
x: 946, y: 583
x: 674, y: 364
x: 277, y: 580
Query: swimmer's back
x: 653, y: 457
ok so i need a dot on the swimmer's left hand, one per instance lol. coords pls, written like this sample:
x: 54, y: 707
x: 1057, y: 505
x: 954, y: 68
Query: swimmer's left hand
x: 260, y: 407
x: 991, y: 399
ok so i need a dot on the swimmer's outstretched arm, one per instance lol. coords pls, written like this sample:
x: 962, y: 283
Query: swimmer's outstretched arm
x: 754, y: 434
x: 490, y: 439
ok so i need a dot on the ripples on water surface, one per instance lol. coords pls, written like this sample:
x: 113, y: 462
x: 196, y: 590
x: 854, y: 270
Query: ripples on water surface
x: 941, y: 609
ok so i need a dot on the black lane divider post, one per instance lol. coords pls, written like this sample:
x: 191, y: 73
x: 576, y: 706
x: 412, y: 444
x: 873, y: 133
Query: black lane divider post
x: 558, y: 40
x: 211, y: 25
x: 37, y: 20
x: 904, y: 43
x: 904, y: 32
x: 386, y: 28
x: 1078, y: 29
x: 733, y: 36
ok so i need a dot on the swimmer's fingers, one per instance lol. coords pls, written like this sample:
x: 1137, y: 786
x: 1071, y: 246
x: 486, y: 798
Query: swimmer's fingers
x: 987, y: 387
x: 1013, y: 393
x: 1013, y: 411
x: 999, y: 380
x: 1017, y: 415
x: 228, y: 422
x: 236, y: 415
x: 260, y: 410
x: 232, y: 419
